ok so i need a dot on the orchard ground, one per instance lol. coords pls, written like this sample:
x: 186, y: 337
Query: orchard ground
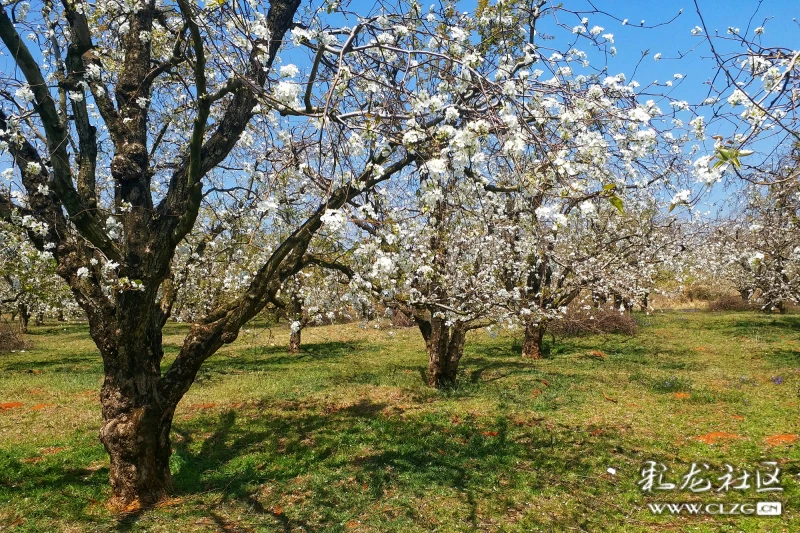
x: 346, y: 436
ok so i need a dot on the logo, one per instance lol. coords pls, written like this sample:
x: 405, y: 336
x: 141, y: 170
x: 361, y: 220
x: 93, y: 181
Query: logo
x: 768, y: 508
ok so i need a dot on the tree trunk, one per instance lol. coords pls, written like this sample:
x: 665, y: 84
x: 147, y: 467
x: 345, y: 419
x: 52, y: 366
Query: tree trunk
x: 136, y: 421
x: 61, y: 316
x: 294, y: 342
x: 645, y: 301
x: 297, y: 316
x: 39, y: 319
x: 24, y: 317
x: 136, y: 438
x: 534, y: 338
x: 745, y: 294
x: 445, y: 346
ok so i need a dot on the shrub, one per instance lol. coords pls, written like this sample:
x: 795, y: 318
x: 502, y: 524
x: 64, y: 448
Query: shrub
x: 730, y: 303
x: 579, y: 320
x: 10, y: 338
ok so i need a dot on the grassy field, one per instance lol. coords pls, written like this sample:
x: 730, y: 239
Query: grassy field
x: 346, y: 437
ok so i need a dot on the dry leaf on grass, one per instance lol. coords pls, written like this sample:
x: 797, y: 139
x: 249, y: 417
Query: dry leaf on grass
x: 608, y: 398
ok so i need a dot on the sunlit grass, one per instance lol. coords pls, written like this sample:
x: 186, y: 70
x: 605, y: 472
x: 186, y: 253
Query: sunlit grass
x: 346, y: 436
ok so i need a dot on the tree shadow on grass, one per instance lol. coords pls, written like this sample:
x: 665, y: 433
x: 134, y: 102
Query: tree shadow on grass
x: 302, y: 464
x: 340, y: 463
x: 65, y: 328
x: 264, y: 357
x: 63, y: 363
x: 746, y: 324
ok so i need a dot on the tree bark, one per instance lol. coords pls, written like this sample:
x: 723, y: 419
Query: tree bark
x: 745, y: 294
x: 39, y: 319
x: 294, y: 342
x: 297, y: 316
x: 445, y: 346
x: 135, y: 434
x: 534, y: 338
x: 137, y: 417
x: 24, y: 317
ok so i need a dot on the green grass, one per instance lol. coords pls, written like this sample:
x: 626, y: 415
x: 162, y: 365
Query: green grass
x: 346, y: 437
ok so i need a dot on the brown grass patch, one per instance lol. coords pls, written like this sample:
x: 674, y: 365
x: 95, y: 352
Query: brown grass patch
x: 716, y: 436
x: 780, y: 440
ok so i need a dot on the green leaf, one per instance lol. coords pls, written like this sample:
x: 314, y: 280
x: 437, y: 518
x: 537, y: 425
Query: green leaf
x: 610, y: 187
x: 616, y: 201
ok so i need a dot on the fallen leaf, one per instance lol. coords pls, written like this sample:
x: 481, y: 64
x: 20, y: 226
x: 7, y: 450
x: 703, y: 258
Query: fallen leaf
x: 40, y: 406
x: 51, y: 450
x: 778, y: 440
x: 737, y: 417
x: 545, y: 383
x: 203, y: 405
x: 490, y: 433
x: 132, y: 507
x: 278, y: 510
x: 10, y: 405
x: 595, y: 432
x: 608, y: 398
x: 597, y: 353
x: 716, y: 436
x: 701, y: 349
x: 682, y: 395
x: 169, y: 502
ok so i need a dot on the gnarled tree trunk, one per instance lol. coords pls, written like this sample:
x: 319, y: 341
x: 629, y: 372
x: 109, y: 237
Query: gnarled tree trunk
x: 445, y: 345
x: 137, y: 406
x: 534, y: 339
x: 135, y: 433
